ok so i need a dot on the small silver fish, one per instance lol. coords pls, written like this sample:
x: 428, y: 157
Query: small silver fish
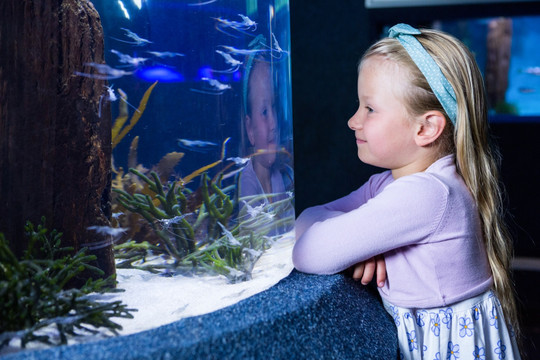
x: 127, y: 59
x: 239, y: 160
x: 137, y: 40
x: 534, y: 70
x: 230, y: 237
x: 105, y: 72
x: 215, y: 84
x: 235, y: 64
x: 196, y: 145
x: 165, y: 54
x: 107, y: 230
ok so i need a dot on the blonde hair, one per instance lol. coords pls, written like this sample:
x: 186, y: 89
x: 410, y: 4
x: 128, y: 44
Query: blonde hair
x: 476, y: 158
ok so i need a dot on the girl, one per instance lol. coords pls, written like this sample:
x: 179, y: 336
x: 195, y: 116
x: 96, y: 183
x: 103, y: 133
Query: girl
x: 435, y: 215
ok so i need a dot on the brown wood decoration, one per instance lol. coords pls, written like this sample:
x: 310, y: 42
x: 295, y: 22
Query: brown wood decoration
x: 499, y: 50
x: 55, y: 151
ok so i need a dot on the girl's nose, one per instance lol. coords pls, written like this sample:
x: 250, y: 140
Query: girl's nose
x: 355, y: 122
x: 272, y: 120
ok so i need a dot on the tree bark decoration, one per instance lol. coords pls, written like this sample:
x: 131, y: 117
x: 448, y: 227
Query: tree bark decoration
x: 55, y: 150
x: 499, y: 50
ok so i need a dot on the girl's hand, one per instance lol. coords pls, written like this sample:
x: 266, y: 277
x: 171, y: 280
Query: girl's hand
x: 365, y: 270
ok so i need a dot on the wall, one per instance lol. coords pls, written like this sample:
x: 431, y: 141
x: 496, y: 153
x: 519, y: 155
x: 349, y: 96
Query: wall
x: 327, y: 42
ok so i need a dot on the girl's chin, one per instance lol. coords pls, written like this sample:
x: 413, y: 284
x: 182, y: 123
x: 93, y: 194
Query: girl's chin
x: 266, y: 160
x: 366, y: 159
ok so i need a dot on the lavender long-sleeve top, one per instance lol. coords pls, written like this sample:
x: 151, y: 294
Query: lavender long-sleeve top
x: 426, y: 225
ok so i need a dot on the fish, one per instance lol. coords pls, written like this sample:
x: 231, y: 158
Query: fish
x: 216, y: 87
x: 165, y: 54
x: 234, y: 63
x: 111, y: 96
x: 236, y: 51
x: 137, y: 40
x: 107, y: 230
x: 239, y: 160
x: 196, y: 145
x: 127, y: 59
x: 174, y: 220
x: 242, y: 26
x: 254, y: 211
x: 534, y: 70
x: 230, y: 237
x: 526, y: 90
x: 215, y: 84
x: 105, y: 72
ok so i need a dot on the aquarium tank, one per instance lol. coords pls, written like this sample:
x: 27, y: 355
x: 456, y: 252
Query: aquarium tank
x: 202, y: 129
x: 198, y: 96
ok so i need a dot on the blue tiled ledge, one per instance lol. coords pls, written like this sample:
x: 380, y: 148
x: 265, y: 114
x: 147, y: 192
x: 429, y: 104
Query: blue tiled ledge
x: 301, y: 317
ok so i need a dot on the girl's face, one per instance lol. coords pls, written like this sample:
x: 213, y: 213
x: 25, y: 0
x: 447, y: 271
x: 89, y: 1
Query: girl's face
x: 383, y: 129
x: 261, y: 124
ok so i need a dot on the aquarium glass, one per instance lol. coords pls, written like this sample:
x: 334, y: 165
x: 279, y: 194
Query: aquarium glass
x: 203, y: 181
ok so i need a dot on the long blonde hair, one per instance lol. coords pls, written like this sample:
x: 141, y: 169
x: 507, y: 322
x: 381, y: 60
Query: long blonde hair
x: 476, y: 157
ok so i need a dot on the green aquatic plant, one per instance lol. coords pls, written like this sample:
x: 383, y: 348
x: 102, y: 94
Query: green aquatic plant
x: 196, y: 230
x: 35, y: 292
x: 191, y: 226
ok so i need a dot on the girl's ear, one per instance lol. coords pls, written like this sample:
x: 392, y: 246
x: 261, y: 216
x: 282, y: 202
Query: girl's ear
x: 430, y: 127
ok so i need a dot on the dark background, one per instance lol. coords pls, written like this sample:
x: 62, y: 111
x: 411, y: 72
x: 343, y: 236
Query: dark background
x: 327, y: 41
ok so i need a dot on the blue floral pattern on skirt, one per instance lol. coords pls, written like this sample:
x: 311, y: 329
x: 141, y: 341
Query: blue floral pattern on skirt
x: 471, y: 329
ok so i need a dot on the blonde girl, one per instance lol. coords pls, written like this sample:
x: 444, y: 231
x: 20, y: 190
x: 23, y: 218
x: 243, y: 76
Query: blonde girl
x: 435, y: 215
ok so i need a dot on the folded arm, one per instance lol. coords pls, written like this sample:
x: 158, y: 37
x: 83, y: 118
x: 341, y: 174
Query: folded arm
x: 404, y: 213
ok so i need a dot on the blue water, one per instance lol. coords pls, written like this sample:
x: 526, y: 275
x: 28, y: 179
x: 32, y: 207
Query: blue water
x: 524, y: 88
x: 182, y: 39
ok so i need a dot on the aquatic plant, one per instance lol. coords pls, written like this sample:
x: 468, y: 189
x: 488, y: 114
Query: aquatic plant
x: 119, y: 131
x: 35, y: 292
x: 197, y: 230
x: 136, y: 228
x: 192, y: 228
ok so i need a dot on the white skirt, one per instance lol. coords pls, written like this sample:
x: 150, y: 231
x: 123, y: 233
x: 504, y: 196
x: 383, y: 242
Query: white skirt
x: 471, y: 329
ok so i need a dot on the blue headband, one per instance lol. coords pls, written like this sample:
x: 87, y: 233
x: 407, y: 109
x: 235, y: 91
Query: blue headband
x: 434, y: 76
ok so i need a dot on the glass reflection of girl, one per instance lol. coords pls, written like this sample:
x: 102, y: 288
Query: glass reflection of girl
x: 263, y: 174
x: 266, y: 181
x: 261, y: 127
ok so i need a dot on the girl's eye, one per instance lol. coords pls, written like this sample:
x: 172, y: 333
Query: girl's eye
x: 264, y: 112
x: 369, y: 109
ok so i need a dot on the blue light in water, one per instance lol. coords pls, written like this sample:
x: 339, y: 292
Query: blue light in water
x: 205, y: 72
x: 159, y: 73
x: 126, y: 14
